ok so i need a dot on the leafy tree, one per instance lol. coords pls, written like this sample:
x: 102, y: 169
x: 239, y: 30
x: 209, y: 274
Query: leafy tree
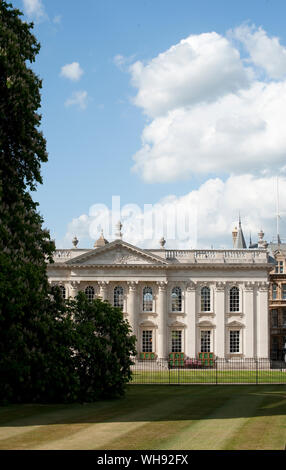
x: 103, y: 348
x: 49, y: 350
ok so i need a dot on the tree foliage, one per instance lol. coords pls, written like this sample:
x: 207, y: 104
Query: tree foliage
x: 40, y: 334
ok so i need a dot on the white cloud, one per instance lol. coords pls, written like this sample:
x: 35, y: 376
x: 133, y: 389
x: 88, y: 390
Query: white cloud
x: 264, y: 51
x: 213, y: 212
x: 72, y: 71
x: 35, y: 9
x: 199, y: 68
x: 78, y: 98
x: 209, y: 112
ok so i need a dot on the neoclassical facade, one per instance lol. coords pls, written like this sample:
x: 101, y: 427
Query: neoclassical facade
x: 187, y: 301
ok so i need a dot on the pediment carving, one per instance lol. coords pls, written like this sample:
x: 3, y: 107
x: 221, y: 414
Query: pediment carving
x: 117, y: 253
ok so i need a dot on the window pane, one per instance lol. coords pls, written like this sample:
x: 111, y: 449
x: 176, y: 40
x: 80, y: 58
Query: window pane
x: 205, y: 299
x: 176, y: 341
x: 284, y: 291
x: 274, y: 318
x: 118, y: 297
x: 147, y: 299
x: 205, y: 341
x: 274, y: 292
x: 147, y: 345
x: 63, y: 291
x: 234, y: 341
x: 89, y: 292
x: 176, y: 299
x: 234, y: 299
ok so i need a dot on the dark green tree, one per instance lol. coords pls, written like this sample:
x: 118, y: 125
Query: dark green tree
x: 25, y: 247
x: 49, y: 350
x: 103, y: 348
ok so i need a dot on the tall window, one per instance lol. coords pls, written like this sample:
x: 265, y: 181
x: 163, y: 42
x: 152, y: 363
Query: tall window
x: 283, y: 291
x: 63, y: 291
x: 205, y: 299
x: 234, y: 336
x: 234, y: 299
x: 147, y: 343
x: 176, y: 297
x: 274, y: 318
x: 118, y: 297
x: 284, y: 318
x: 147, y: 300
x: 176, y: 341
x: 274, y: 291
x: 89, y: 292
x: 205, y: 341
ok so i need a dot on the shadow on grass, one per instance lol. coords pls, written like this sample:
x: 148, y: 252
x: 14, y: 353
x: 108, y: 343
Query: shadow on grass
x: 156, y: 403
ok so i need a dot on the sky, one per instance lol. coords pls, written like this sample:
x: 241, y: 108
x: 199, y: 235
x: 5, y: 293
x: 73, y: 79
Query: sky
x: 169, y: 116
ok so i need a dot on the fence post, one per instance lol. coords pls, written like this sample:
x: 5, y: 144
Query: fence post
x: 256, y: 361
x: 178, y: 374
x: 216, y: 372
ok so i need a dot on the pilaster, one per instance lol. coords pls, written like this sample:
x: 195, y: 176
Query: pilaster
x: 219, y: 341
x: 190, y: 339
x: 162, y: 320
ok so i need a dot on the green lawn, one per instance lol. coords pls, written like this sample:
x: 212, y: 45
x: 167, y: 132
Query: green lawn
x: 210, y: 376
x: 155, y: 417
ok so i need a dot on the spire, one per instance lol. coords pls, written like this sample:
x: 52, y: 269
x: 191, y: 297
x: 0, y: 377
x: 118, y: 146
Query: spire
x: 239, y: 241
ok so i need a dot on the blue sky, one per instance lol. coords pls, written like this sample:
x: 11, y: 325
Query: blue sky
x: 131, y: 91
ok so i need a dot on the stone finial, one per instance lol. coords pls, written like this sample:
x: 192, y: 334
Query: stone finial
x: 101, y: 241
x: 234, y: 236
x: 75, y: 241
x: 162, y: 242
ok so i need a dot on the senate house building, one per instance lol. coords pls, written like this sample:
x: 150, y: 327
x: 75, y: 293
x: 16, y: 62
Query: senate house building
x: 178, y: 300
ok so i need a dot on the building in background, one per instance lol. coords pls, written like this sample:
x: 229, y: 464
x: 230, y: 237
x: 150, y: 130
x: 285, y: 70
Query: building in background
x: 277, y: 300
x: 186, y: 301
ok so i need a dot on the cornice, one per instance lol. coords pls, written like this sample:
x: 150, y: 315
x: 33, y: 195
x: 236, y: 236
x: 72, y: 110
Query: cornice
x: 182, y: 266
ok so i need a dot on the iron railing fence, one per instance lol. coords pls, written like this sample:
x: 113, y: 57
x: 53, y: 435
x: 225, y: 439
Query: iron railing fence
x: 221, y: 371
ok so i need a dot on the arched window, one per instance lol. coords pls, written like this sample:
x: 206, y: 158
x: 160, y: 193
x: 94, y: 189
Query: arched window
x: 205, y: 299
x: 63, y: 291
x: 118, y: 297
x: 89, y: 292
x: 147, y: 299
x: 176, y: 297
x: 234, y: 299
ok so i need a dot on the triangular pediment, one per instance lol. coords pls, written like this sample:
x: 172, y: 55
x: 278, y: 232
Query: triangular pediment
x: 117, y: 253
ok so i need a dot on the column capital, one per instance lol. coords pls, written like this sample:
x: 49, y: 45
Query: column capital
x: 103, y: 284
x: 220, y: 286
x: 74, y: 284
x: 132, y: 285
x: 162, y: 285
x: 191, y: 286
x: 249, y: 286
x: 263, y: 286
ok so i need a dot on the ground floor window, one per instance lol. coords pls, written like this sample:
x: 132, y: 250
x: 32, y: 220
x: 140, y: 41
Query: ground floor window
x: 205, y: 341
x: 147, y: 341
x: 234, y: 336
x: 176, y: 341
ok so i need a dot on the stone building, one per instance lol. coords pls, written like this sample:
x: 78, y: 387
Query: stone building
x: 187, y: 301
x: 277, y: 300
